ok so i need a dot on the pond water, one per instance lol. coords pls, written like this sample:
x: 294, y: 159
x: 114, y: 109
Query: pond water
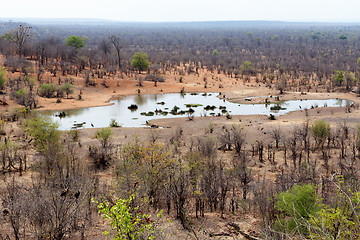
x: 148, y: 107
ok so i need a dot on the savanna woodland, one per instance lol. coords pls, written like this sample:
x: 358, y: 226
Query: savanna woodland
x: 294, y: 176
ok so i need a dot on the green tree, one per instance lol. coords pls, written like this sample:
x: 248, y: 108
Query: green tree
x: 140, y: 61
x: 102, y: 155
x: 341, y: 219
x: 75, y: 42
x: 296, y: 205
x: 68, y: 88
x: 22, y: 96
x: 104, y: 136
x: 47, y: 90
x: 247, y: 64
x: 128, y: 220
x: 343, y: 37
x: 320, y: 130
x: 2, y: 78
x: 43, y: 131
x: 147, y: 164
x: 339, y: 78
x: 250, y: 35
x: 275, y: 37
x: 46, y: 139
x: 247, y: 68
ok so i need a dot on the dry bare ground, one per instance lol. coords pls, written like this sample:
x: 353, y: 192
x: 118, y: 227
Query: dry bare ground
x: 256, y: 127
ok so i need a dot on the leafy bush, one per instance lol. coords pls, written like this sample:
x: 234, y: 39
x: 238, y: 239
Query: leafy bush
x: 340, y: 220
x: 44, y: 131
x: 297, y: 205
x: 47, y: 90
x: 68, y: 88
x: 114, y: 123
x: 102, y: 155
x: 128, y: 220
x: 321, y: 130
x: 21, y: 96
x: 140, y: 61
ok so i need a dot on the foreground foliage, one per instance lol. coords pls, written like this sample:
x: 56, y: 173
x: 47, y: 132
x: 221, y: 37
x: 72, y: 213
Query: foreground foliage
x: 128, y: 220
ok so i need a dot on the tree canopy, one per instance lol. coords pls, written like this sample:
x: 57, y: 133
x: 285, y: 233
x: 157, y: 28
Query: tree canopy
x: 68, y: 88
x: 75, y: 42
x: 140, y: 61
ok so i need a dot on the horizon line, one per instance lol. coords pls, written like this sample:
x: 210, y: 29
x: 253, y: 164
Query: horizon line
x: 183, y: 21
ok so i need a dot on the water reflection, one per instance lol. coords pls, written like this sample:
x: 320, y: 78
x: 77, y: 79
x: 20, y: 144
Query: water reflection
x: 140, y: 99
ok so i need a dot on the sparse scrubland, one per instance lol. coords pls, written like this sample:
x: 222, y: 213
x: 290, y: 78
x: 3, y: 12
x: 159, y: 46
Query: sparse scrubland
x: 294, y: 176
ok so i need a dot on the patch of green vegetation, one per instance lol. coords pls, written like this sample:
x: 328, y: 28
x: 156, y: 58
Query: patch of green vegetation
x: 190, y: 105
x: 208, y: 108
x: 133, y: 107
x: 114, y: 123
x: 148, y: 114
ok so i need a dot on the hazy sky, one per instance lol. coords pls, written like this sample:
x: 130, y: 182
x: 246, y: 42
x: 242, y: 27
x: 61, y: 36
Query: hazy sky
x: 186, y: 10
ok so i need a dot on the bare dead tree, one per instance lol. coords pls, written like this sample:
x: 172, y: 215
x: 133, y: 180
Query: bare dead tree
x: 226, y: 139
x: 105, y: 46
x: 294, y: 146
x: 20, y: 37
x: 238, y: 138
x: 13, y: 203
x: 224, y: 182
x: 116, y: 42
x: 207, y: 147
x: 277, y: 135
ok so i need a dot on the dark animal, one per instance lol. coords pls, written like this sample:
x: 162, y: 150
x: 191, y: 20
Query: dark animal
x: 64, y: 192
x: 6, y: 212
x: 77, y: 194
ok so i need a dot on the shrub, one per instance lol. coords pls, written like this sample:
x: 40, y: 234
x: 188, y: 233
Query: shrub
x: 114, y: 123
x: 68, y: 88
x: 128, y: 220
x: 102, y: 155
x: 140, y: 61
x: 47, y: 90
x: 297, y: 205
x: 321, y: 130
